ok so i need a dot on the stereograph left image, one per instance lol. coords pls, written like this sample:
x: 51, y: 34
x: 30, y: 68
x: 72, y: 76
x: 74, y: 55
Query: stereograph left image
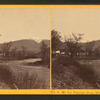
x: 24, y: 48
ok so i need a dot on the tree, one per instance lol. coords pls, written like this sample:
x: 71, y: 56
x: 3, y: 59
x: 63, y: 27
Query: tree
x: 14, y: 52
x: 89, y: 48
x: 97, y: 52
x: 24, y: 49
x: 56, y: 39
x: 6, y: 49
x: 73, y: 44
x: 43, y: 50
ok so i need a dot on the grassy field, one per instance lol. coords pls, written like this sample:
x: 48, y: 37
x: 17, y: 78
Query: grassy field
x: 95, y: 64
x: 73, y: 74
x: 17, y: 74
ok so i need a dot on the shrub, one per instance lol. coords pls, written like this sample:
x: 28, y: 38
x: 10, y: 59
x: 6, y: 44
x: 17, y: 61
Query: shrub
x: 57, y: 69
x: 60, y: 63
x: 63, y: 60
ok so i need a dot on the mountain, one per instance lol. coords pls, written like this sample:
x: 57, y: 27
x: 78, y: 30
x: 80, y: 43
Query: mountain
x: 96, y: 45
x: 29, y: 44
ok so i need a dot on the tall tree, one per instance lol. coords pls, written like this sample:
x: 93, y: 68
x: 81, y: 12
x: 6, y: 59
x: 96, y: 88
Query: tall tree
x: 97, y: 52
x: 56, y: 39
x: 73, y: 44
x: 89, y: 48
x: 6, y: 49
x: 14, y: 52
x: 43, y: 50
x: 24, y: 49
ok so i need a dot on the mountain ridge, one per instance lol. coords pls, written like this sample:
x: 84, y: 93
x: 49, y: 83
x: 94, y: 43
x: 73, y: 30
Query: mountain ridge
x: 96, y: 45
x: 30, y: 45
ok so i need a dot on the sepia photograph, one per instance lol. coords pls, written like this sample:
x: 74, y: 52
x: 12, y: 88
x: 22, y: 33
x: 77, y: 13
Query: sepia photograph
x: 24, y: 48
x: 76, y: 48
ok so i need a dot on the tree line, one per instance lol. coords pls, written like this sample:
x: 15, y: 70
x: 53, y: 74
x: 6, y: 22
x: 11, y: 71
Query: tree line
x: 9, y: 53
x: 74, y: 47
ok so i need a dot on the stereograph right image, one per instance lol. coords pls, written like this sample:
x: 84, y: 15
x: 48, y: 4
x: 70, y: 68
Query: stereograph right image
x: 75, y: 48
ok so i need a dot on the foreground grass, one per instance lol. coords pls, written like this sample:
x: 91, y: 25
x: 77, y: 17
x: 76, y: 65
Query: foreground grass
x: 20, y: 80
x: 25, y: 81
x: 70, y: 74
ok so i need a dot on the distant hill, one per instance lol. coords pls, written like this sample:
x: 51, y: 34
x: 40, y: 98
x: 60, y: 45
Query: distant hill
x: 29, y: 44
x: 96, y: 45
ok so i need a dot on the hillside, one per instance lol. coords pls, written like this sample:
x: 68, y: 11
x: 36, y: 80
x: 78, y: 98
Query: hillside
x: 29, y: 44
x: 96, y: 45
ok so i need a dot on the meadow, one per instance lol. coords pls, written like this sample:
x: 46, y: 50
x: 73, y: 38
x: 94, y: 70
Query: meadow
x: 18, y: 75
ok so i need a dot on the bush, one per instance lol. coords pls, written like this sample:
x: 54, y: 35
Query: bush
x: 60, y: 63
x: 46, y: 60
x: 57, y: 69
x: 63, y: 60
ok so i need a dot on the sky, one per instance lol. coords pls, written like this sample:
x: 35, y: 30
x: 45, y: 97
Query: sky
x: 24, y: 23
x: 79, y: 21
